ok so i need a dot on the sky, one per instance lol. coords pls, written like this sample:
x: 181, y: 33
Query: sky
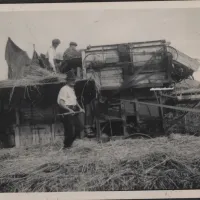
x: 96, y: 27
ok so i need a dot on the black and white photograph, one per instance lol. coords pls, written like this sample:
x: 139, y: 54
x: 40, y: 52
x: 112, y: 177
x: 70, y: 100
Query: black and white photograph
x: 99, y: 99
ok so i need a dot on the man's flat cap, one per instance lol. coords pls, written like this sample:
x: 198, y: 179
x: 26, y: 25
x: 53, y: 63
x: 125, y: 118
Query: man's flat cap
x: 56, y: 41
x: 73, y: 43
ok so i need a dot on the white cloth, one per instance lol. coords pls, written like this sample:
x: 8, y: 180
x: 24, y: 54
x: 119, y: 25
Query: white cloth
x: 51, y: 55
x: 68, y: 95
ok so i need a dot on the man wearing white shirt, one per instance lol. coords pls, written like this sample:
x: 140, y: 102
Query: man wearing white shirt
x: 67, y: 101
x: 51, y: 53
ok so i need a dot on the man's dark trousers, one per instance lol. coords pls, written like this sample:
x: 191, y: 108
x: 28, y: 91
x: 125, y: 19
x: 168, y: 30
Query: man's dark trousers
x: 72, y: 127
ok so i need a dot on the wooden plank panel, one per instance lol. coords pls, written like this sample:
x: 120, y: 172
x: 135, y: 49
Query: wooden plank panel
x: 110, y: 84
x: 39, y: 134
x: 154, y: 78
x: 107, y: 77
x: 36, y: 113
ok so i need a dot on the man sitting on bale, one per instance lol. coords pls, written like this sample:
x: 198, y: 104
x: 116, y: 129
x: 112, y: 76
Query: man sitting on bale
x: 70, y: 110
x: 51, y: 54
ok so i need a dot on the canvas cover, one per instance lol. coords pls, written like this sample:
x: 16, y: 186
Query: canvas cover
x: 17, y: 60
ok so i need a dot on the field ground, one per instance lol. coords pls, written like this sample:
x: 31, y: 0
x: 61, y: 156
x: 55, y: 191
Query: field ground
x: 131, y: 164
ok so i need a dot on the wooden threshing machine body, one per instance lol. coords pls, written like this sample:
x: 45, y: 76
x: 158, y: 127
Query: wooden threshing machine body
x: 126, y: 72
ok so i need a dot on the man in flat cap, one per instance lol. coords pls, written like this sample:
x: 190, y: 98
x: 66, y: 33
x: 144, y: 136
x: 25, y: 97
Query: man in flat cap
x: 71, y: 52
x: 72, y: 60
x: 51, y: 53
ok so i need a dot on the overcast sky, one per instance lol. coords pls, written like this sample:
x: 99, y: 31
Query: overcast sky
x: 179, y: 26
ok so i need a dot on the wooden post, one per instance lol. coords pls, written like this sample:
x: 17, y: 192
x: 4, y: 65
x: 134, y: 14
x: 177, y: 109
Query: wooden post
x: 185, y: 123
x: 169, y: 67
x: 123, y: 116
x: 52, y: 128
x: 136, y: 109
x: 78, y: 73
x: 98, y: 128
x: 83, y: 65
x: 82, y: 119
x: 97, y: 119
x: 17, y: 129
x: 161, y: 114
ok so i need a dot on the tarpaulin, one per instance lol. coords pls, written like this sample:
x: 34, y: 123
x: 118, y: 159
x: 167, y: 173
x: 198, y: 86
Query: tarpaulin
x: 17, y: 60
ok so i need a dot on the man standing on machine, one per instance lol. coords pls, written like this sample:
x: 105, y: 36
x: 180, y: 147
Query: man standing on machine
x: 51, y: 54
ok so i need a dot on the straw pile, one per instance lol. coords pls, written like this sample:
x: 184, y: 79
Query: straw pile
x: 33, y: 75
x: 140, y: 164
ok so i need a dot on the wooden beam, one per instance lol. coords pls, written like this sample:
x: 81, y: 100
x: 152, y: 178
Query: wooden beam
x: 98, y: 129
x: 136, y: 110
x: 82, y: 119
x: 97, y: 119
x: 168, y: 96
x: 161, y: 113
x: 169, y: 67
x: 166, y: 106
x: 132, y: 43
x: 188, y: 97
x: 83, y: 64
